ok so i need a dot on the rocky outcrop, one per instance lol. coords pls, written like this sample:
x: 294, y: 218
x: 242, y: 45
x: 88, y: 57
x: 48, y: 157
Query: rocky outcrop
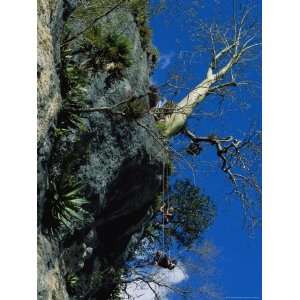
x: 49, y: 28
x: 117, y: 161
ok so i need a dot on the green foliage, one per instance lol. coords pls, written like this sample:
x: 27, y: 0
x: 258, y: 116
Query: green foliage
x: 71, y: 282
x: 97, y: 43
x: 106, y: 277
x: 135, y: 109
x: 109, y: 48
x: 193, y: 213
x: 63, y: 205
x: 74, y: 80
x: 140, y: 11
x: 146, y: 36
x: 60, y: 132
x: 169, y: 167
x: 139, y: 8
x: 161, y: 126
x: 153, y: 55
x: 117, y: 49
x: 75, y: 77
x: 160, y: 121
x: 69, y: 119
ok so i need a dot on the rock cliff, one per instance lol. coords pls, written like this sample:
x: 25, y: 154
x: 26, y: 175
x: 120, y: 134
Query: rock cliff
x: 111, y: 155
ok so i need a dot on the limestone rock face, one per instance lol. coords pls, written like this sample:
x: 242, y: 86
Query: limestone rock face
x: 51, y: 283
x: 49, y: 98
x: 117, y: 160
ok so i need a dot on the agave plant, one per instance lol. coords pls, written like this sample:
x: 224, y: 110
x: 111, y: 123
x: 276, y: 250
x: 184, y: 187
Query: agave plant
x: 64, y: 206
x: 71, y: 281
x: 74, y: 80
x: 107, y: 49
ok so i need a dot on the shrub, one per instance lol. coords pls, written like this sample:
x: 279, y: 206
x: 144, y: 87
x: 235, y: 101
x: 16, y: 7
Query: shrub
x: 135, y: 109
x: 118, y: 49
x: 74, y: 80
x: 63, y: 206
x: 193, y: 213
x: 139, y: 8
x: 60, y: 132
x: 146, y: 35
x: 153, y: 56
x: 103, y: 49
x: 71, y: 282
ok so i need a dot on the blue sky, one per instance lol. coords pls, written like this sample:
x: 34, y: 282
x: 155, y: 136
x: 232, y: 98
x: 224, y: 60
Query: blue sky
x: 239, y: 261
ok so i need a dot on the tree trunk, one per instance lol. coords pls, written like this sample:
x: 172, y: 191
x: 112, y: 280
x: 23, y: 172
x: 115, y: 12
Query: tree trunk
x: 174, y: 122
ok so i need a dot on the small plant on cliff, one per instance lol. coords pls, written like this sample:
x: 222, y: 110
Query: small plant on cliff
x: 146, y: 35
x: 107, y: 51
x: 112, y: 47
x: 153, y: 56
x: 63, y: 206
x: 135, y: 109
x: 140, y: 10
x: 74, y: 80
x: 71, y: 282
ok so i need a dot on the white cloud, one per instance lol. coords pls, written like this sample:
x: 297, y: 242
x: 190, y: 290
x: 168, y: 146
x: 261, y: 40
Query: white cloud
x: 165, y: 60
x: 141, y: 290
x: 152, y: 81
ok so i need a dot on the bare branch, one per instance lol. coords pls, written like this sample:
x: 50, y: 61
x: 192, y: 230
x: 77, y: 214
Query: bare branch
x: 234, y: 164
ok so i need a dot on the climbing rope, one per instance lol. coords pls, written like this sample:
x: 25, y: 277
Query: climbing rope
x: 165, y: 196
x: 163, y: 201
x: 165, y: 210
x: 168, y: 201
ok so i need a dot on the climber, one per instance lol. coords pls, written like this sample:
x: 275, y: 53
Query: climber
x: 167, y: 212
x: 164, y: 261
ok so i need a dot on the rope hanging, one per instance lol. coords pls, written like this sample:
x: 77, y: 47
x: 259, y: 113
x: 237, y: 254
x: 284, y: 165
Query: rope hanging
x: 168, y: 200
x: 165, y: 208
x: 163, y: 200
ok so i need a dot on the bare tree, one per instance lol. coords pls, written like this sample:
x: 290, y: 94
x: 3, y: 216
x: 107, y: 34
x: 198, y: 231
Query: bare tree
x: 229, y: 47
